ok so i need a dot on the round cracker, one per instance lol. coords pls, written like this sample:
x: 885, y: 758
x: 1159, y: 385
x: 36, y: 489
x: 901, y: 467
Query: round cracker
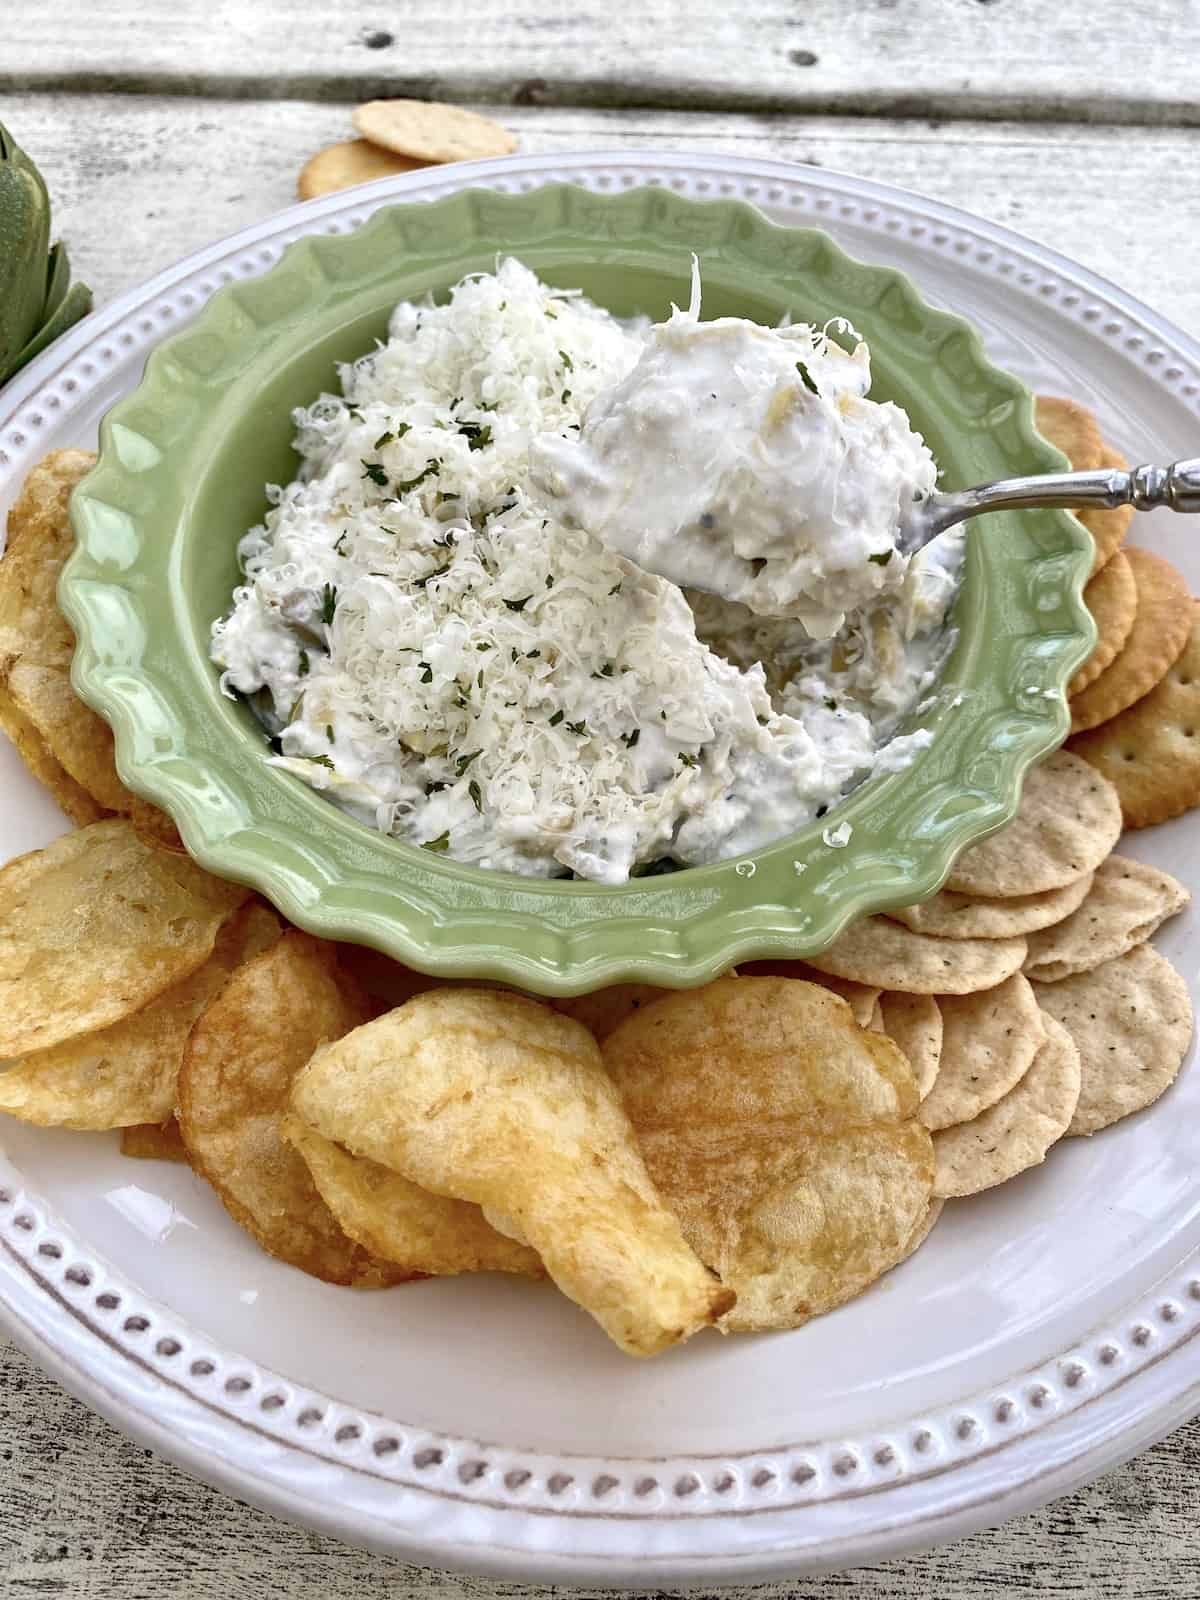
x: 988, y: 1045
x: 966, y: 916
x: 1015, y: 1133
x: 1111, y: 597
x: 1107, y: 525
x: 1127, y: 902
x: 353, y: 161
x: 1151, y: 753
x: 1159, y: 633
x: 429, y: 130
x: 1072, y: 429
x: 887, y: 955
x: 1068, y: 821
x: 914, y: 1023
x: 1131, y: 1021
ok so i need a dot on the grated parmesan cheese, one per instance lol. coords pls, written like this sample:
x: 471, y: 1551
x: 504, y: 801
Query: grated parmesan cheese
x: 451, y: 663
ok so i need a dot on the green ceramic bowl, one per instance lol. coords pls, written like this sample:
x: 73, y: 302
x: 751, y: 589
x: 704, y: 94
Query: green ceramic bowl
x: 183, y: 464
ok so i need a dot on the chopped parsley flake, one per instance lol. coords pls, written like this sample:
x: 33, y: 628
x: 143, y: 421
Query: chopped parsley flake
x: 411, y: 483
x: 631, y: 738
x: 441, y: 844
x: 518, y: 605
x: 806, y: 378
x: 426, y: 672
x: 329, y: 732
x: 881, y: 557
x: 302, y: 669
x: 322, y: 761
x: 556, y: 718
x: 384, y: 438
x: 687, y: 760
x: 377, y: 473
x: 463, y: 762
x: 474, y: 791
x: 566, y: 361
x: 477, y: 434
x: 579, y: 728
x: 328, y: 603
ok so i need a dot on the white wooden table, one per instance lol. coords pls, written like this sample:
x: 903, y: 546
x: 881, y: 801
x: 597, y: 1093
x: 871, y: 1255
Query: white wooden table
x: 161, y: 126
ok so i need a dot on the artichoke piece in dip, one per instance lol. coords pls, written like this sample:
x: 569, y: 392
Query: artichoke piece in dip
x: 747, y: 462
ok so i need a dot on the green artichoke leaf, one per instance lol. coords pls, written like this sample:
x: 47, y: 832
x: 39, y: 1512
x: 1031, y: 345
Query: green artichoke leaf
x: 76, y: 304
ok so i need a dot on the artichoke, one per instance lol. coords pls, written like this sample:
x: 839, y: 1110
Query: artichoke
x: 37, y: 298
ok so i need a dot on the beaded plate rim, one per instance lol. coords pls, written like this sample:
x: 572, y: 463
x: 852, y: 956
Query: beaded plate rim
x: 464, y: 1503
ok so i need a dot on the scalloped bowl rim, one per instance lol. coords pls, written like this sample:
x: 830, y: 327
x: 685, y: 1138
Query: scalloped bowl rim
x: 247, y: 855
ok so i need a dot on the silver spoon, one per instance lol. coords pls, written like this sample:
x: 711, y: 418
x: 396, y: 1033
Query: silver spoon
x: 1145, y: 488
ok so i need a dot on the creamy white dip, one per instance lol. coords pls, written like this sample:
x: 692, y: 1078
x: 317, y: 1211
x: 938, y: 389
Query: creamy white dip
x: 747, y: 461
x: 453, y: 661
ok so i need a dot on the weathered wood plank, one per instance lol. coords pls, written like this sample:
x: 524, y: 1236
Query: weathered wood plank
x: 178, y: 173
x: 85, y: 1513
x: 962, y: 58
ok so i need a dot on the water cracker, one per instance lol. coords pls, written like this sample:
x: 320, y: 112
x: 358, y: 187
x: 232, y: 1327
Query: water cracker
x: 428, y: 130
x: 1158, y: 636
x: 988, y: 1044
x: 353, y: 161
x: 1151, y: 752
x: 965, y: 916
x: 1107, y: 525
x: 1111, y: 597
x: 1015, y: 1133
x: 1131, y: 1021
x: 914, y: 1022
x: 886, y: 954
x: 1068, y: 821
x: 1128, y: 900
x: 1072, y: 429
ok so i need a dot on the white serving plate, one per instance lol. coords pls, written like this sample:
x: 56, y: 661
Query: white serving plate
x: 1045, y: 1332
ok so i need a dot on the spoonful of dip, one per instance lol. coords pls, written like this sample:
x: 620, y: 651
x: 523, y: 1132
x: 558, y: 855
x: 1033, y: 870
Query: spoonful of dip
x: 748, y: 462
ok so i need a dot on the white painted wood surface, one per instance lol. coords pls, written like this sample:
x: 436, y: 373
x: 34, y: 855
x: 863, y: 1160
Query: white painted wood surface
x: 1104, y: 60
x: 161, y: 127
x: 179, y: 173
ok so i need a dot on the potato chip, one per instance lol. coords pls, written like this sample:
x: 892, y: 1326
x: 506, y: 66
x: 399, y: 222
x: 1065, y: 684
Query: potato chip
x: 1131, y: 1021
x: 241, y: 1058
x: 988, y: 1045
x: 96, y: 926
x: 860, y: 997
x: 425, y: 1233
x: 154, y: 1141
x: 1111, y: 597
x: 36, y: 645
x: 1151, y: 753
x: 39, y: 542
x: 605, y: 1009
x: 126, y: 1073
x: 71, y: 731
x: 1107, y: 525
x: 429, y: 130
x: 887, y: 955
x: 1158, y: 636
x: 1128, y: 901
x: 951, y: 915
x: 1068, y: 821
x: 153, y: 826
x: 342, y: 166
x: 783, y: 1136
x: 1016, y: 1132
x: 498, y: 1100
x: 914, y: 1023
x: 74, y: 801
x: 923, y: 1229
